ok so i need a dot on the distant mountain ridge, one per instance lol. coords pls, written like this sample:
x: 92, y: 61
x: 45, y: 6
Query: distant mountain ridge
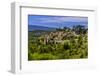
x: 35, y: 27
x: 45, y: 28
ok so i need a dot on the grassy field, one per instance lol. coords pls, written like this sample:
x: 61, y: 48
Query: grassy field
x: 61, y: 43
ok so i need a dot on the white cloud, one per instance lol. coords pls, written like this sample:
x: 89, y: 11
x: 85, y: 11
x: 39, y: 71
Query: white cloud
x: 62, y: 19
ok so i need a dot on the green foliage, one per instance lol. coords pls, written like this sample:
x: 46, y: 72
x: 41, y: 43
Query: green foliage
x: 66, y: 45
x: 79, y: 29
x: 63, y: 43
x: 38, y: 56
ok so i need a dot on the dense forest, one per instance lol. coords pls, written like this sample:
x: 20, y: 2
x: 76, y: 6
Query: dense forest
x: 61, y: 43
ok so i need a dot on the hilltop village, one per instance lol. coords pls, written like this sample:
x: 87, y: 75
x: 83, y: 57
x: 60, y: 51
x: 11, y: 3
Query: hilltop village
x: 63, y: 43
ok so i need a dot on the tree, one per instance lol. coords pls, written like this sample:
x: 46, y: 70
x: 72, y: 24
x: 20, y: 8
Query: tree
x: 66, y: 46
x: 66, y: 29
x: 79, y: 29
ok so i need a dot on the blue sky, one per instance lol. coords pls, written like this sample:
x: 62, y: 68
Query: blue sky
x: 56, y: 21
